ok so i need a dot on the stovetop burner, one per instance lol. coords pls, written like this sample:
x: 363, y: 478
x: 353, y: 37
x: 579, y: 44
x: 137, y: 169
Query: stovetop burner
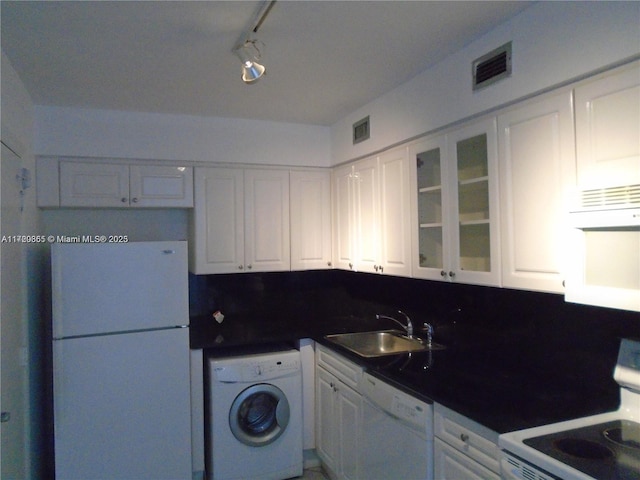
x: 626, y: 436
x: 607, y: 451
x: 581, y: 448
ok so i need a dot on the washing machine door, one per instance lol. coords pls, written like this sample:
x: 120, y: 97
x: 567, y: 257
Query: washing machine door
x: 259, y: 415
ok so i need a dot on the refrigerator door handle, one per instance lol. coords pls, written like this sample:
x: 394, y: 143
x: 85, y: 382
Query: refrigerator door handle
x: 120, y: 332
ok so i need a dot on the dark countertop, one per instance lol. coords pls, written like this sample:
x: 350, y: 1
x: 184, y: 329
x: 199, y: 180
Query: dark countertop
x: 487, y: 378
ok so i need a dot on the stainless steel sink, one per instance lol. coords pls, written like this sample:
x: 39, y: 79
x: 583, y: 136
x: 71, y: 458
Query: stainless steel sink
x: 380, y: 343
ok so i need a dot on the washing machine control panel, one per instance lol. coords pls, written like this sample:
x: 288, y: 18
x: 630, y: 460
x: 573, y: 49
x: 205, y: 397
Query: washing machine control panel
x: 270, y: 369
x: 257, y: 370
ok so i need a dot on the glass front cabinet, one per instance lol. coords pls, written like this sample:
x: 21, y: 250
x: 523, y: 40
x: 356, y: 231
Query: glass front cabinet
x: 455, y: 227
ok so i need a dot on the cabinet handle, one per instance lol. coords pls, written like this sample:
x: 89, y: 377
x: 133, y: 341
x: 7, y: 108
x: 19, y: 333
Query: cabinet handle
x: 464, y: 437
x: 381, y: 268
x: 443, y: 273
x: 328, y: 264
x: 240, y: 267
x: 350, y: 266
x: 452, y: 274
x: 134, y: 200
x: 249, y: 267
x: 123, y: 199
x: 375, y: 267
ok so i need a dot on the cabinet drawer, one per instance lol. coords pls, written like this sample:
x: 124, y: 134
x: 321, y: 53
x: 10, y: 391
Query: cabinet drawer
x: 345, y: 370
x: 467, y: 437
x: 450, y: 464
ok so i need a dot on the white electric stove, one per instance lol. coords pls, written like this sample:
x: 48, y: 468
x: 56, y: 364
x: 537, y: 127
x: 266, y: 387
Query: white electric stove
x: 599, y: 447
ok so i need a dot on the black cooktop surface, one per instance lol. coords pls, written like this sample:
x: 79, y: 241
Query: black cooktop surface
x: 607, y: 451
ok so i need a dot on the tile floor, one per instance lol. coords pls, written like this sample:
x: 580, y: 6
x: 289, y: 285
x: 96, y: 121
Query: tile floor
x: 315, y: 473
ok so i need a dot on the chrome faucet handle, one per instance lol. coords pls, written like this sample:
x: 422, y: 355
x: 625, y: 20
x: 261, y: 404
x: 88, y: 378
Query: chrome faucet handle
x: 409, y: 324
x: 428, y: 329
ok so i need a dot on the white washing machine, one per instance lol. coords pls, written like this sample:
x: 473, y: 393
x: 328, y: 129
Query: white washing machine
x: 253, y: 415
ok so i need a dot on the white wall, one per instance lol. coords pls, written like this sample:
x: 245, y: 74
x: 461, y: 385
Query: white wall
x: 104, y: 133
x: 552, y: 43
x: 21, y: 317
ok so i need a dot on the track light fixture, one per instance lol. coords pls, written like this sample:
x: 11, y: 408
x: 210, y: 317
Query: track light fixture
x: 247, y: 48
x: 248, y: 53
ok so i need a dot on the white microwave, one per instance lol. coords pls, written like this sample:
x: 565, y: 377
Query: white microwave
x: 603, y: 266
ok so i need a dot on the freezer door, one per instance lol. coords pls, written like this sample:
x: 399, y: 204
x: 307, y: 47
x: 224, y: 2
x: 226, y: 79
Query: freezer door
x: 102, y: 288
x: 122, y: 406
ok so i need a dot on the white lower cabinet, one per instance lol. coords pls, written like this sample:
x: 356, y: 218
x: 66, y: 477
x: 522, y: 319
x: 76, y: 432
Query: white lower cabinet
x: 451, y: 464
x: 338, y: 414
x: 464, y: 448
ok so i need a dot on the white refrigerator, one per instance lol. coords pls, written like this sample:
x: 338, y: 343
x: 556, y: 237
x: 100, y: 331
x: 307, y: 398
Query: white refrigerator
x: 121, y: 383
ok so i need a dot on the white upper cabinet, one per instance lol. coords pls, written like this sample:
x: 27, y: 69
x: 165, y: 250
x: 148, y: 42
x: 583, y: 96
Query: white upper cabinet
x: 267, y: 237
x: 431, y: 247
x: 475, y: 238
x: 343, y: 217
x: 455, y: 206
x: 310, y: 220
x: 372, y: 214
x: 92, y: 185
x: 366, y: 215
x: 160, y: 186
x: 395, y: 213
x: 105, y: 184
x: 217, y: 223
x: 240, y: 221
x: 537, y: 171
x: 608, y: 129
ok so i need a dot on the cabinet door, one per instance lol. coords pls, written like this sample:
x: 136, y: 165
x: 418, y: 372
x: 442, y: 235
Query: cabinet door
x: 608, y: 129
x: 450, y: 464
x: 349, y: 407
x: 366, y: 215
x: 431, y: 247
x: 395, y: 215
x: 161, y: 186
x: 327, y: 434
x: 94, y: 184
x: 267, y: 242
x: 343, y: 221
x: 310, y: 220
x: 217, y: 223
x: 537, y: 170
x: 474, y: 201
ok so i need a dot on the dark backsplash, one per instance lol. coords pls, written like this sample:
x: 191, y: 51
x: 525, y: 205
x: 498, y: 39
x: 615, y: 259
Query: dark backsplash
x: 573, y: 341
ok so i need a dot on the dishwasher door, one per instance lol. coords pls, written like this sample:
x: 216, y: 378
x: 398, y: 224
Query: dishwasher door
x: 397, y: 440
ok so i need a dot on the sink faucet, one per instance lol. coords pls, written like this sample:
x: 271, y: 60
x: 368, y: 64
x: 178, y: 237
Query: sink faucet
x: 428, y: 330
x: 407, y: 328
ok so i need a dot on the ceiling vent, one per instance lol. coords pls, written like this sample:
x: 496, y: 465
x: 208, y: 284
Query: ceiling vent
x: 492, y: 67
x: 361, y: 130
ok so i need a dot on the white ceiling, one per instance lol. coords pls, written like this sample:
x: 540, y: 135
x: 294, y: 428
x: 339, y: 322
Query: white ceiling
x: 324, y: 59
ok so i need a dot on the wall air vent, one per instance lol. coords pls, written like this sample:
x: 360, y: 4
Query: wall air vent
x: 492, y: 67
x: 613, y: 197
x: 361, y: 130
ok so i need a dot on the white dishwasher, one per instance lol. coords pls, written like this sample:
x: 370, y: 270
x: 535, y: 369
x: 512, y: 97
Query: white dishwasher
x: 397, y: 440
